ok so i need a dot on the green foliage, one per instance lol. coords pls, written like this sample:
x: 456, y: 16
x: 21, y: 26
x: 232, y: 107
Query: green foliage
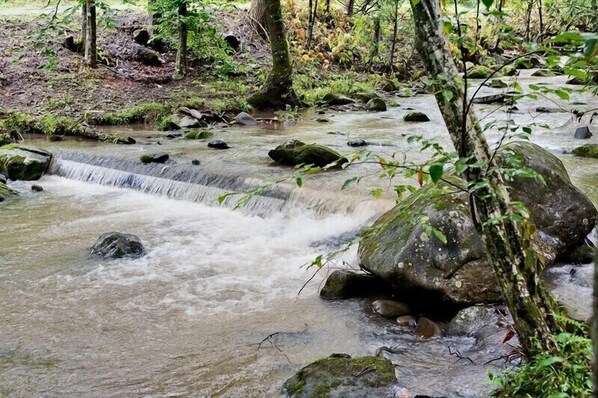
x: 566, y: 374
x: 198, y: 134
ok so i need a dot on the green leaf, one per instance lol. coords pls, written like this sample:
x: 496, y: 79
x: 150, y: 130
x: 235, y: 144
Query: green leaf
x: 448, y: 95
x: 549, y: 361
x: 439, y: 235
x: 590, y: 48
x: 348, y: 182
x: 564, y: 95
x: 377, y: 193
x: 436, y: 171
x: 488, y: 3
x: 299, y: 182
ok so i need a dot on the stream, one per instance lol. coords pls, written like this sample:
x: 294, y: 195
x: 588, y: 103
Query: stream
x: 213, y: 309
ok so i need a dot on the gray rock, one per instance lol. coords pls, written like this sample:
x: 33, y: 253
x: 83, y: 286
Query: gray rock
x: 390, y: 308
x: 343, y: 377
x: 583, y: 133
x: 195, y: 162
x: 22, y: 163
x: 194, y: 113
x: 427, y: 329
x: 490, y: 99
x: 416, y: 117
x: 218, y: 144
x: 148, y: 56
x: 295, y: 152
x: 470, y: 320
x: 422, y: 267
x: 376, y: 105
x: 344, y: 284
x: 245, y: 119
x: 118, y: 245
x: 188, y: 122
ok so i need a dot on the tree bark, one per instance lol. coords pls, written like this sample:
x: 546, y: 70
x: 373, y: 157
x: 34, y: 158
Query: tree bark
x: 376, y: 39
x: 393, y: 42
x: 528, y: 22
x: 278, y: 91
x: 514, y: 263
x: 257, y: 12
x: 83, y: 24
x: 180, y: 67
x: 350, y: 7
x: 595, y: 328
x: 91, y: 49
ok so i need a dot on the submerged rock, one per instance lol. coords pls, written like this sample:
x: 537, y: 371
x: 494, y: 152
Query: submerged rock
x: 22, y: 163
x: 154, y: 158
x: 416, y: 117
x: 339, y: 376
x: 218, y: 144
x: 430, y: 272
x: 427, y: 329
x: 295, y: 152
x: 470, y: 321
x: 586, y: 151
x: 376, y: 105
x: 118, y: 245
x: 357, y: 143
x: 344, y: 284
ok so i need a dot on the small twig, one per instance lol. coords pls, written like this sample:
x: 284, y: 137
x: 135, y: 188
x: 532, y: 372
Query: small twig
x: 363, y: 371
x: 459, y: 356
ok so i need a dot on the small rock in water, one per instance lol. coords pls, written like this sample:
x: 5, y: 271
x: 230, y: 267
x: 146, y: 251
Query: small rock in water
x: 154, y: 158
x: 416, y: 117
x: 195, y: 162
x: 218, y: 144
x: 118, y: 245
x: 583, y: 133
x: 407, y: 320
x: 376, y: 105
x: 390, y: 308
x: 322, y: 120
x: 245, y: 119
x: 37, y: 188
x: 337, y: 99
x: 544, y: 109
x: 497, y: 83
x: 320, y: 112
x: 490, y: 99
x: 357, y: 143
x: 427, y: 329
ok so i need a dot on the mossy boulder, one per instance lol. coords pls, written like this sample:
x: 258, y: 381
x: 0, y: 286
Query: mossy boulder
x: 337, y: 99
x: 376, y: 105
x: 545, y: 73
x: 154, y: 158
x: 586, y: 151
x: 5, y: 139
x: 479, y: 72
x: 198, y: 134
x: 343, y: 376
x: 22, y: 163
x: 5, y: 191
x: 497, y: 83
x: 295, y: 152
x: 426, y: 271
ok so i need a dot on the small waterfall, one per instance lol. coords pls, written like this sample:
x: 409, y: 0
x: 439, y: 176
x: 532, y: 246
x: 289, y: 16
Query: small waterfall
x: 196, y: 184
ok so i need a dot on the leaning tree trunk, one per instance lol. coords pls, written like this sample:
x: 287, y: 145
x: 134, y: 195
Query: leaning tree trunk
x: 257, y: 12
x: 180, y: 67
x: 278, y: 91
x: 91, y: 49
x: 516, y: 268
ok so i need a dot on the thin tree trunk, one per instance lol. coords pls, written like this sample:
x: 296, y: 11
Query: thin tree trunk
x: 500, y: 7
x: 393, y: 42
x: 152, y: 18
x: 376, y: 39
x: 278, y: 90
x: 541, y: 16
x: 477, y: 24
x: 517, y: 270
x: 83, y: 24
x: 528, y: 23
x: 180, y: 67
x: 91, y: 49
x: 350, y: 7
x: 310, y: 22
x: 595, y: 328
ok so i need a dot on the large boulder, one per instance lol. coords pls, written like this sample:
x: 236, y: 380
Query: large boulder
x: 117, y: 245
x: 295, y: 152
x: 425, y: 270
x: 22, y: 163
x: 343, y: 376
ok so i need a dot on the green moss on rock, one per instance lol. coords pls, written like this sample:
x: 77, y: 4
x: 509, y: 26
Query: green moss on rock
x: 198, y: 134
x: 5, y: 192
x: 295, y: 152
x: 587, y: 151
x: 20, y: 163
x: 340, y: 375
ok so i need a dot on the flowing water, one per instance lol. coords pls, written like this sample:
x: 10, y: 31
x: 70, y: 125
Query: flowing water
x: 213, y: 309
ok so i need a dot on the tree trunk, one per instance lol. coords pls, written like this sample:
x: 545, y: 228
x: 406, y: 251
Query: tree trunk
x: 83, y: 24
x: 393, y: 42
x: 152, y: 18
x: 350, y: 7
x: 541, y: 16
x: 528, y: 22
x: 499, y: 31
x: 180, y: 67
x: 313, y: 10
x: 257, y: 12
x: 91, y: 49
x: 278, y: 91
x: 376, y: 39
x: 595, y: 328
x: 516, y: 268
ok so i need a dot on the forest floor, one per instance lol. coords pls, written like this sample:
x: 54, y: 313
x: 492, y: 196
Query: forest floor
x: 38, y: 75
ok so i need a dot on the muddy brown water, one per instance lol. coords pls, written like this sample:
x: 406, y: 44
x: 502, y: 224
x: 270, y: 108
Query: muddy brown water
x: 193, y: 317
